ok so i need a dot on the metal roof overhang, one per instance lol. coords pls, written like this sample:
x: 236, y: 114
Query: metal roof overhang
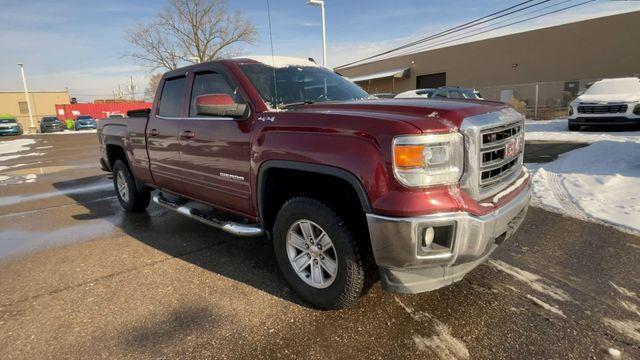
x: 395, y: 73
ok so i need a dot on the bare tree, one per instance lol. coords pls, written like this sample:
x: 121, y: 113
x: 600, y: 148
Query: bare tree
x: 150, y: 91
x: 189, y: 31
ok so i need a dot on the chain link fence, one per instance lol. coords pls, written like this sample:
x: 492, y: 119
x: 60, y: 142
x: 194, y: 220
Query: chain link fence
x: 542, y: 100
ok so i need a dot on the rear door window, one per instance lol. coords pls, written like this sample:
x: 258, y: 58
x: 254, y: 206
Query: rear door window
x: 211, y: 83
x: 172, y: 97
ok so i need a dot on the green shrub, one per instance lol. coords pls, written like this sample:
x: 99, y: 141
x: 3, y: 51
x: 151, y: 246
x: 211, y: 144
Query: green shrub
x: 70, y: 124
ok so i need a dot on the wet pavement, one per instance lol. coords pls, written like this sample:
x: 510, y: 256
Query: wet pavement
x: 79, y: 278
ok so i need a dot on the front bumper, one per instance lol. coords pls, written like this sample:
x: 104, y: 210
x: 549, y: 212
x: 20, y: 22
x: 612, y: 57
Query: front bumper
x: 406, y: 266
x: 604, y: 120
x: 10, y: 131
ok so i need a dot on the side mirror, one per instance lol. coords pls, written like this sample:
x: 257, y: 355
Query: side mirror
x: 219, y: 105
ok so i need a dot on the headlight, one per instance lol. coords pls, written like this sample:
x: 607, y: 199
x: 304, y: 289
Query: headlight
x: 427, y: 160
x: 570, y: 110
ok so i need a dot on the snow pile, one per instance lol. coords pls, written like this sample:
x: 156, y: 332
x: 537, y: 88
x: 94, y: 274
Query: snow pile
x: 597, y: 183
x: 14, y: 146
x: 556, y: 130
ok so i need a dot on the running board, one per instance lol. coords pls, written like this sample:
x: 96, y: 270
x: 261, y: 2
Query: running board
x: 227, y: 226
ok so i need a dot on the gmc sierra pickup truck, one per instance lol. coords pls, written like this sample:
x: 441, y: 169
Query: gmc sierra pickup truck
x: 347, y: 187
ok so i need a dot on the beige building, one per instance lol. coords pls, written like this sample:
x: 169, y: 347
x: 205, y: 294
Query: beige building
x: 42, y: 104
x: 558, y: 61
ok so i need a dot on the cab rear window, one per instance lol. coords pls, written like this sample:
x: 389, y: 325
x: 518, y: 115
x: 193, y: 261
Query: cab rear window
x: 172, y: 97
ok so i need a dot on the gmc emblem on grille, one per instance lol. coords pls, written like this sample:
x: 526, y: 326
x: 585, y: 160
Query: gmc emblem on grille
x: 512, y: 148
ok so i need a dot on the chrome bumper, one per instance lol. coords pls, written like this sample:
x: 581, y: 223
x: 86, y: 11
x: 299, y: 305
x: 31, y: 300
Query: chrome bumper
x: 406, y: 265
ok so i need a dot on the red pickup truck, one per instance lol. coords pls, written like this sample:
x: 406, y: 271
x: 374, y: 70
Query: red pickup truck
x: 346, y: 186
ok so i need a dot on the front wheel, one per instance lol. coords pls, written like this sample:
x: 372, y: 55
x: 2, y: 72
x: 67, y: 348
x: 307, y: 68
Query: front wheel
x: 130, y: 198
x: 317, y: 254
x: 574, y: 127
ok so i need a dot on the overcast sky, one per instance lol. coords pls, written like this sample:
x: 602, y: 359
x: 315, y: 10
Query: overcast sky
x: 79, y: 44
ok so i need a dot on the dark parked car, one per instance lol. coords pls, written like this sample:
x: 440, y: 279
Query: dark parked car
x: 85, y: 122
x: 9, y: 126
x: 51, y: 124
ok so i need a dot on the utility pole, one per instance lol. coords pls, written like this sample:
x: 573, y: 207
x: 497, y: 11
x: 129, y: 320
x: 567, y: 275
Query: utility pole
x: 32, y: 127
x: 132, y: 88
x: 324, y: 31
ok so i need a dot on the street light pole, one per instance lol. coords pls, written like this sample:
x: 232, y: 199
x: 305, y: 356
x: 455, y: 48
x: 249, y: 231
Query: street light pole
x: 32, y: 127
x: 324, y: 30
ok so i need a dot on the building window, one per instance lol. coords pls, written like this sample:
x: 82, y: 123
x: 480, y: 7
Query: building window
x: 432, y: 81
x: 24, y: 108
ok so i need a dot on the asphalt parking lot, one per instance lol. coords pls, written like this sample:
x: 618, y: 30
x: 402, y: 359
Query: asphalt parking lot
x: 80, y: 278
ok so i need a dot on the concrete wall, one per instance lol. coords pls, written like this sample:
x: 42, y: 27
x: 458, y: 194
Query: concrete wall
x: 591, y: 49
x: 42, y: 104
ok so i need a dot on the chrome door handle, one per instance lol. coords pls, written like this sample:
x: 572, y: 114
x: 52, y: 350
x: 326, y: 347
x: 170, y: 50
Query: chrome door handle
x: 188, y: 134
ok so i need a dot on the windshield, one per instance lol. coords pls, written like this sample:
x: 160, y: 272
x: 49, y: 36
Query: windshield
x: 84, y: 117
x: 614, y: 86
x: 49, y: 119
x: 469, y: 94
x: 7, y: 121
x: 301, y: 84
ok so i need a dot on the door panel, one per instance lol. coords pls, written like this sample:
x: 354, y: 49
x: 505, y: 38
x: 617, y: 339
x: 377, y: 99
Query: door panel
x: 164, y: 153
x: 163, y: 143
x: 215, y: 162
x: 215, y: 151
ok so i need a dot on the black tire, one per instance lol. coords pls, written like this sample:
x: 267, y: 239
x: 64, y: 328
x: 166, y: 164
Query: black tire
x: 574, y: 127
x: 349, y: 281
x: 136, y: 200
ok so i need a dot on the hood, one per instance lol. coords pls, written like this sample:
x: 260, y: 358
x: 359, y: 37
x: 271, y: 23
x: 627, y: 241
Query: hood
x: 613, y: 98
x: 425, y: 114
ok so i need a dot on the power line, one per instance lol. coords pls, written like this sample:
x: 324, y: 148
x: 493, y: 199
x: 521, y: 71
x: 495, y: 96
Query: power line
x: 419, y: 48
x: 423, y: 46
x: 478, y: 21
x: 448, y: 41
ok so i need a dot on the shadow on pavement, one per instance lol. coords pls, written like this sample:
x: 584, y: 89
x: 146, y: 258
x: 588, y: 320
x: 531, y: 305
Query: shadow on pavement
x: 247, y: 260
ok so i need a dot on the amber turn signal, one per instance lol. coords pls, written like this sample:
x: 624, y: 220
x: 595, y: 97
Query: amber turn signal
x: 409, y: 156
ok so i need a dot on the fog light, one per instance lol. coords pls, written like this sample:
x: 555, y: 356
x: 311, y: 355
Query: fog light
x: 636, y: 110
x: 427, y: 239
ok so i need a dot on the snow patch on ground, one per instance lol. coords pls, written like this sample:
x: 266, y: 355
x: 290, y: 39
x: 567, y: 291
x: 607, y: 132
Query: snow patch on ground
x: 534, y: 281
x: 557, y: 131
x: 442, y: 344
x: 17, y: 180
x: 546, y: 306
x: 597, y: 183
x: 14, y: 146
x: 623, y: 291
x: 630, y: 328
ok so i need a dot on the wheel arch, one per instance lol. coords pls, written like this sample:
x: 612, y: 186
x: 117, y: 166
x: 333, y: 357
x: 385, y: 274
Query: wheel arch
x: 308, y: 169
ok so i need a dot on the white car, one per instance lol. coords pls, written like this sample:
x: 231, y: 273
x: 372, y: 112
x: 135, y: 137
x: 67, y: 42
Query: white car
x: 416, y: 93
x: 607, y: 102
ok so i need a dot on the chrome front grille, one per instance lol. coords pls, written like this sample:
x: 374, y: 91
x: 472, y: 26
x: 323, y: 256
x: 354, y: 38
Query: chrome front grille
x: 494, y: 145
x: 500, y: 149
x: 603, y: 109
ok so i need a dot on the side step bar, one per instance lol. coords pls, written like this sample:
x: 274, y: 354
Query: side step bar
x: 227, y: 226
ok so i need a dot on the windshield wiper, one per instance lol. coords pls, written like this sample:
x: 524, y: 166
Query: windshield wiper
x: 294, y: 104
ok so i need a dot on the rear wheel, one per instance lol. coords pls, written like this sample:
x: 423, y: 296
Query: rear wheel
x: 317, y: 254
x: 130, y: 198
